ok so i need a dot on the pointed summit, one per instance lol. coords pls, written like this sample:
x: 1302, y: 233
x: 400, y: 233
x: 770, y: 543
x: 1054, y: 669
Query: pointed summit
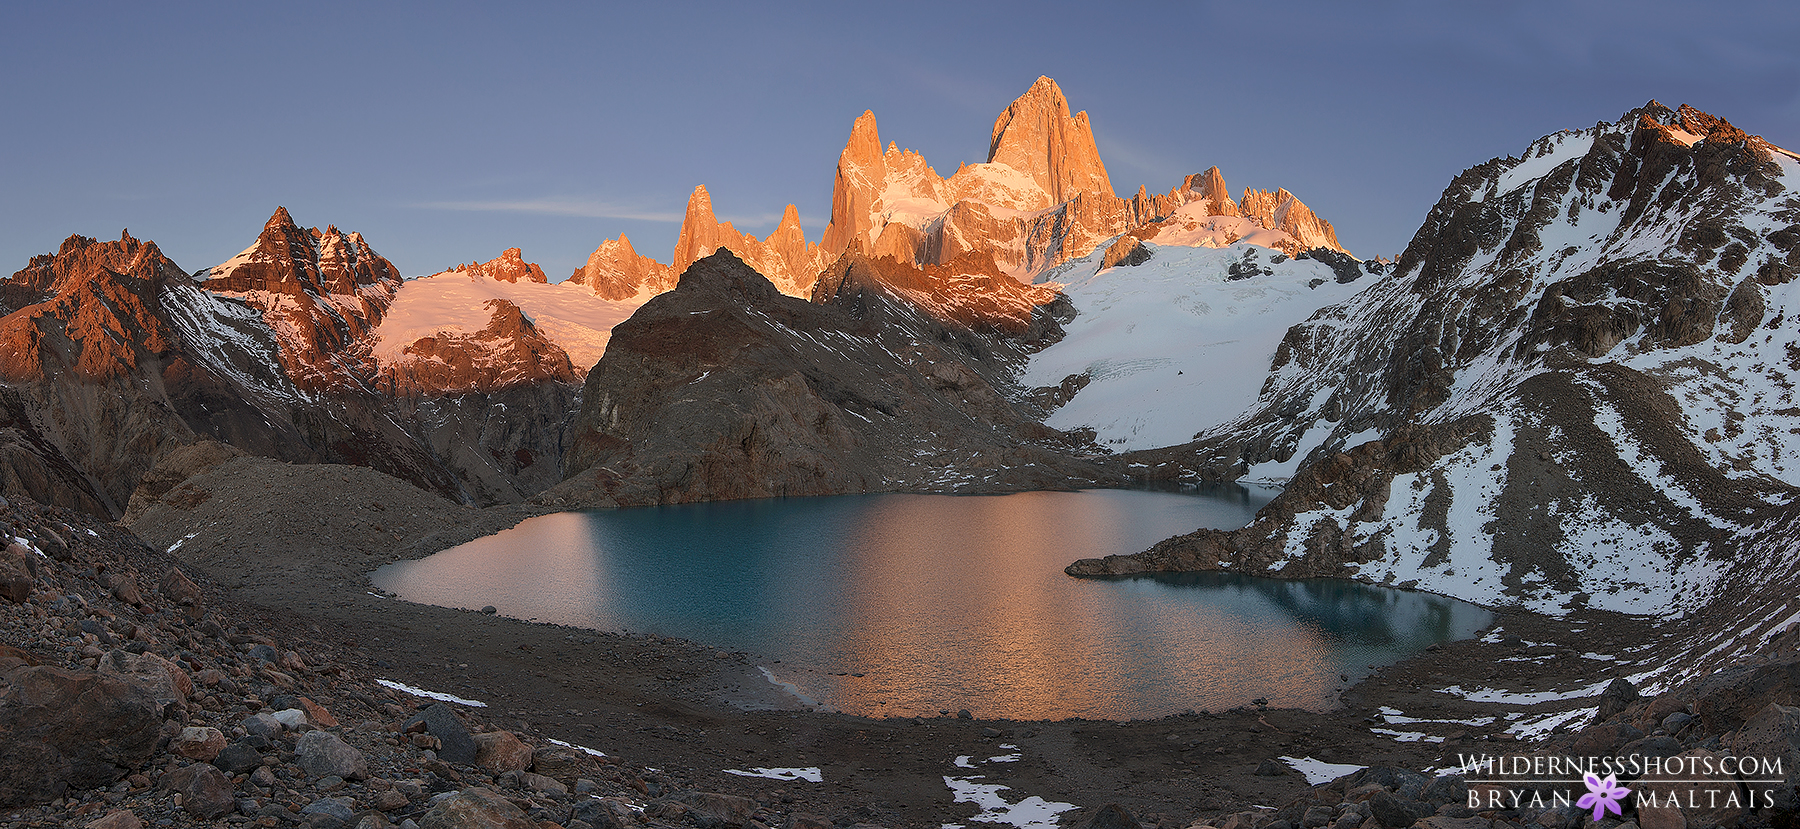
x: 616, y: 271
x: 701, y: 233
x: 1209, y: 188
x: 280, y: 219
x: 1037, y: 136
x: 861, y: 176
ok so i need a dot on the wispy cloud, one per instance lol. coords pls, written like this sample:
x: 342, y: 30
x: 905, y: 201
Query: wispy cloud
x: 584, y: 208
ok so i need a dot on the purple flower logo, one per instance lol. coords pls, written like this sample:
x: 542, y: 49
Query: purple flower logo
x: 1603, y: 795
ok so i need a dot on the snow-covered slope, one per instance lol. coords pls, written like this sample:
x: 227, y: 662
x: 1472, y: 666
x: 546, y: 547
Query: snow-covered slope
x: 1179, y: 344
x: 453, y: 302
x: 1575, y: 390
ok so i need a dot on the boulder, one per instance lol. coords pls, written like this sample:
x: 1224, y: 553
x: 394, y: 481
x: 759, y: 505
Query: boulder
x: 561, y: 763
x: 542, y: 784
x: 458, y: 746
x: 1604, y: 738
x: 1112, y: 816
x: 1618, y: 695
x: 11, y: 657
x: 501, y: 751
x: 201, y: 743
x: 475, y: 808
x: 16, y: 583
x: 239, y: 757
x: 63, y: 729
x: 342, y: 808
x: 170, y: 684
x: 179, y: 588
x: 705, y: 809
x: 1772, y: 736
x: 1727, y: 699
x: 1700, y: 798
x: 205, y: 791
x: 262, y: 725
x: 324, y: 754
x: 121, y: 819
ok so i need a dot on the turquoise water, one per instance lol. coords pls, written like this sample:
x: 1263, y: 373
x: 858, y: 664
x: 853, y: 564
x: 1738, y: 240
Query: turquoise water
x: 949, y: 602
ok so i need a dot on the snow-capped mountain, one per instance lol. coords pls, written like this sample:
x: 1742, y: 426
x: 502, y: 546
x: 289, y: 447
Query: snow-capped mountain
x: 1179, y: 342
x: 1575, y: 389
x: 1041, y: 198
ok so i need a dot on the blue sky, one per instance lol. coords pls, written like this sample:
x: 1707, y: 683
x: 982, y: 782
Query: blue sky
x: 446, y: 132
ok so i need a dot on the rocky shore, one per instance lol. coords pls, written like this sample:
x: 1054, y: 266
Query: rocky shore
x: 238, y: 671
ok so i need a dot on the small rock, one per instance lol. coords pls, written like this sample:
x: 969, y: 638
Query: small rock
x: 317, y: 715
x: 1271, y: 767
x: 262, y: 725
x: 201, y: 743
x: 291, y: 718
x: 390, y: 800
x: 324, y: 754
x: 342, y: 808
x: 546, y: 785
x: 237, y: 758
x: 122, y: 819
x: 205, y: 791
x: 963, y: 714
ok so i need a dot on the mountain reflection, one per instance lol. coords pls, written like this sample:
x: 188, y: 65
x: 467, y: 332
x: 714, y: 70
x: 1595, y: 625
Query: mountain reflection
x: 947, y: 602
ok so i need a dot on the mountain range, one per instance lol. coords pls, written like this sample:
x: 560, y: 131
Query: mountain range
x: 1572, y: 390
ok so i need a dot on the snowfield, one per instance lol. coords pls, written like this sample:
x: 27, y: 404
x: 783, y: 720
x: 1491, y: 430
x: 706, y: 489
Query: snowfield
x: 570, y: 315
x: 1175, y: 346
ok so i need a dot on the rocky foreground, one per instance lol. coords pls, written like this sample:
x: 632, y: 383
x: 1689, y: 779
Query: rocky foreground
x: 137, y: 687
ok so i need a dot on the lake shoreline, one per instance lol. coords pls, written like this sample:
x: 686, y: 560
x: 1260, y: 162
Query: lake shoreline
x: 663, y: 703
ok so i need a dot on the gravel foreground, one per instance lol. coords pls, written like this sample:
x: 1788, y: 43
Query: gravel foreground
x: 239, y: 671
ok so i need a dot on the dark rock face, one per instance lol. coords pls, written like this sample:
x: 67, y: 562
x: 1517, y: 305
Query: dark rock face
x: 61, y: 729
x: 1545, y: 361
x: 891, y: 379
x: 1128, y: 251
x: 441, y: 722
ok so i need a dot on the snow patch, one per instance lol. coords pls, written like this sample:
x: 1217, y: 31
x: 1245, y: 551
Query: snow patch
x: 437, y: 695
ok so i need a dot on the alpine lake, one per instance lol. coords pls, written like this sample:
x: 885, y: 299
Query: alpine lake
x: 910, y: 605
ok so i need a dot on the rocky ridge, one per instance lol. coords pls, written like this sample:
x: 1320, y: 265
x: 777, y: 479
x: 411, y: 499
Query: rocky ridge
x: 119, y: 357
x: 1602, y: 319
x: 509, y: 266
x: 1042, y: 198
x: 891, y: 378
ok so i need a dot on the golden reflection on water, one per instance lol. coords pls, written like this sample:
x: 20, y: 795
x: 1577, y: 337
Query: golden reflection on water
x: 944, y: 602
